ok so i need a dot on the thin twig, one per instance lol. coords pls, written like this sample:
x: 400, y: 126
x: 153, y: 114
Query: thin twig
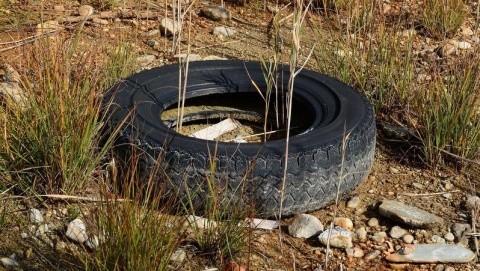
x: 67, y: 197
x: 428, y: 194
x: 474, y: 234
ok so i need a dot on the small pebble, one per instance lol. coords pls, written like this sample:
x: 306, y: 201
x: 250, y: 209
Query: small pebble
x: 393, y: 170
x: 372, y: 255
x: 449, y: 237
x: 397, y: 232
x: 372, y: 222
x: 361, y: 234
x: 449, y: 268
x: 408, y: 238
x: 343, y: 222
x: 353, y: 202
x: 439, y: 267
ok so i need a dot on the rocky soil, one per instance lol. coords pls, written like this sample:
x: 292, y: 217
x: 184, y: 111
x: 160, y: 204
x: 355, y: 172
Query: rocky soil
x: 404, y: 216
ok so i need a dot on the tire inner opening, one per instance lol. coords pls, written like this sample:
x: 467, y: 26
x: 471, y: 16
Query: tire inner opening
x: 247, y: 110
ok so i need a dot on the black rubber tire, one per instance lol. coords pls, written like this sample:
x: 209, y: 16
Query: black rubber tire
x: 251, y: 171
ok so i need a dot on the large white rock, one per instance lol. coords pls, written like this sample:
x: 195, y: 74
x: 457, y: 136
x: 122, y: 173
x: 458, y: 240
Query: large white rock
x: 305, y: 226
x: 77, y: 231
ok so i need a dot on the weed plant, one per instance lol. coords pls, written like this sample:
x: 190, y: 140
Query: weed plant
x: 442, y: 18
x: 50, y: 140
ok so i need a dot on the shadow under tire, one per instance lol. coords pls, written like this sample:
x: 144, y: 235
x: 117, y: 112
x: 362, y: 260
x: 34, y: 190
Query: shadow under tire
x: 247, y: 172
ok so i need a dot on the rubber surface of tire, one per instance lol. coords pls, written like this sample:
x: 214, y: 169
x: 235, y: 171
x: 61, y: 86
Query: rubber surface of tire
x: 249, y: 172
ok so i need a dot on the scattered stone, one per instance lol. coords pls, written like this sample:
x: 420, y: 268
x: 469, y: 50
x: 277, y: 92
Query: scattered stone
x: 47, y: 27
x: 13, y: 93
x: 462, y: 233
x: 372, y: 222
x: 153, y: 43
x: 393, y: 170
x: 397, y: 232
x: 35, y: 216
x: 59, y: 8
x: 379, y: 237
x: 305, y: 226
x: 85, y: 10
x: 472, y: 203
x: 9, y: 263
x: 432, y: 253
x: 418, y: 186
x: 10, y: 75
x: 449, y: 237
x: 60, y: 246
x: 463, y: 45
x: 146, y: 59
x: 200, y: 222
x: 42, y: 229
x: 216, y: 13
x: 153, y: 33
x: 263, y: 224
x: 234, y: 267
x: 437, y: 239
x: 353, y: 202
x: 361, y: 234
x: 398, y: 266
x: 224, y: 31
x: 178, y: 256
x: 439, y: 267
x: 169, y: 26
x: 212, y: 57
x: 407, y: 214
x: 449, y: 48
x: 28, y: 253
x: 408, y: 33
x: 447, y: 195
x: 339, y: 237
x: 343, y: 222
x: 466, y: 31
x: 77, y: 231
x: 100, y: 21
x: 24, y: 235
x: 449, y: 268
x: 408, y: 238
x: 372, y: 255
x: 92, y: 242
x: 358, y: 252
x: 191, y: 57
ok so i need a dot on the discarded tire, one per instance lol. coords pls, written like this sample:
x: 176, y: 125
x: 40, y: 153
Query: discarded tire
x: 247, y: 172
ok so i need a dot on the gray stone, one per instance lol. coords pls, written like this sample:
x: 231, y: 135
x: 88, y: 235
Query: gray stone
x: 77, y: 231
x: 225, y: 31
x: 92, y: 242
x: 439, y: 267
x: 35, y: 216
x: 42, y: 229
x: 372, y: 255
x: 463, y: 45
x: 153, y: 33
x: 472, y: 203
x: 85, y: 10
x: 305, y: 226
x: 353, y: 202
x: 379, y: 237
x: 10, y: 74
x: 361, y: 234
x: 169, y: 26
x: 432, y: 253
x: 191, y: 57
x: 339, y: 237
x: 437, y: 239
x: 397, y: 232
x: 462, y: 232
x: 407, y: 214
x: 449, y: 237
x: 153, y: 43
x: 13, y: 93
x: 146, y: 59
x: 216, y: 13
x: 9, y: 263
